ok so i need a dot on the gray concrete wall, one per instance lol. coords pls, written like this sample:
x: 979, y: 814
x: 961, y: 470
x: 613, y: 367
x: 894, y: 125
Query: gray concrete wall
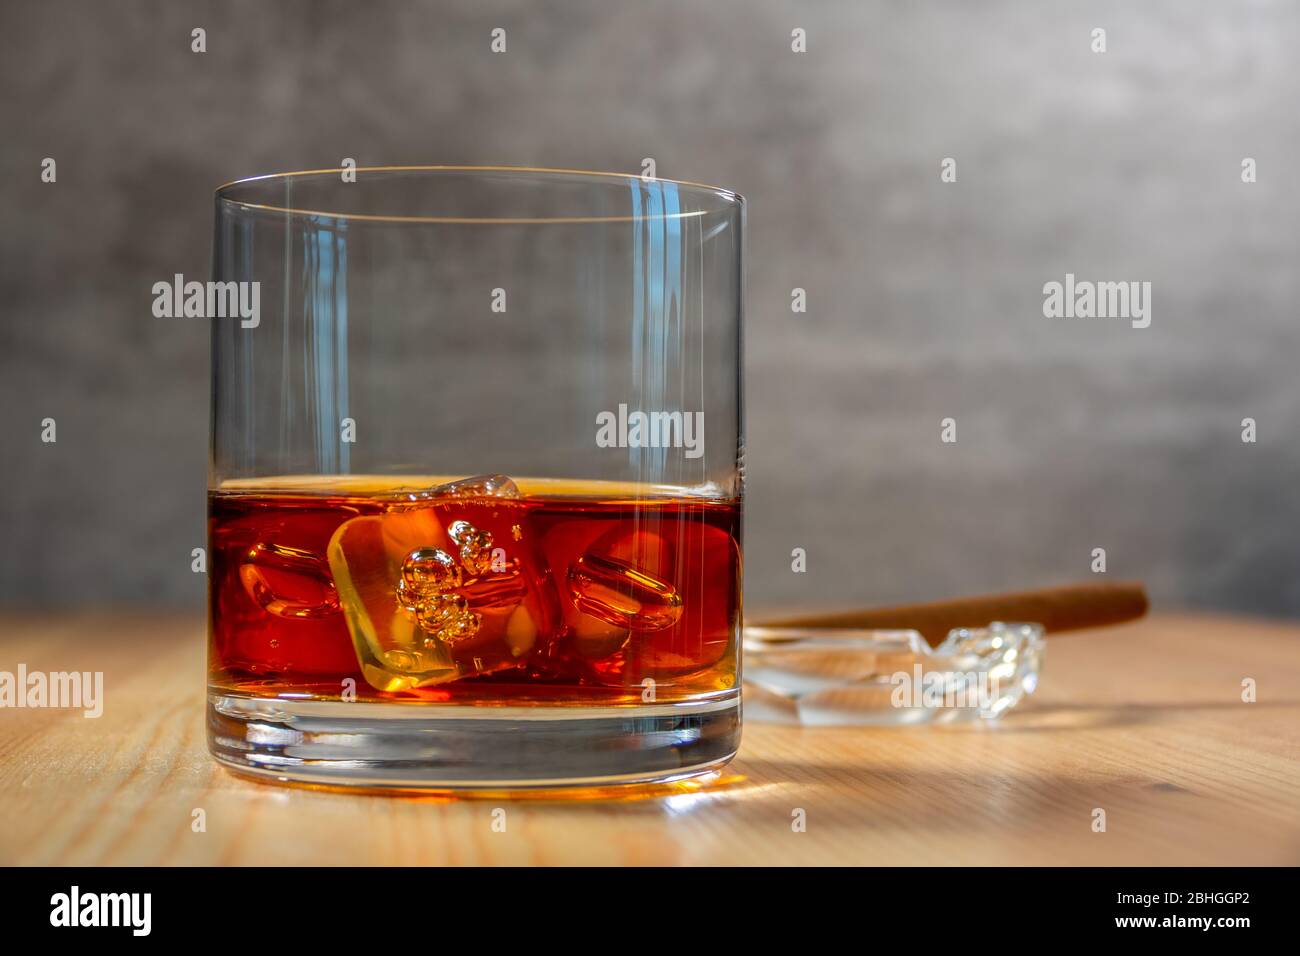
x: 924, y: 298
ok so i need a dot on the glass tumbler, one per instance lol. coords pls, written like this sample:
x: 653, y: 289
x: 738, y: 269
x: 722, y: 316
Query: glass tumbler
x: 476, y: 478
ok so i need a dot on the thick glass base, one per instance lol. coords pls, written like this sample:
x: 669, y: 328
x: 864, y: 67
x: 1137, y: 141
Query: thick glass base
x: 430, y: 746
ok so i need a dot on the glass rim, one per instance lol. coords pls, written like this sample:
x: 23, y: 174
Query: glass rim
x: 727, y: 198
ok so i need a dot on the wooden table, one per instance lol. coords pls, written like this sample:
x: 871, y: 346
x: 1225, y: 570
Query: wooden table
x: 1146, y: 722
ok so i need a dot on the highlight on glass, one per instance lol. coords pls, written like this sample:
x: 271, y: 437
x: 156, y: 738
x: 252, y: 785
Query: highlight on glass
x: 477, y: 475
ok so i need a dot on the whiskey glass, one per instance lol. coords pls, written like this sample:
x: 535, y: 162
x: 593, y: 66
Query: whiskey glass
x: 476, y: 478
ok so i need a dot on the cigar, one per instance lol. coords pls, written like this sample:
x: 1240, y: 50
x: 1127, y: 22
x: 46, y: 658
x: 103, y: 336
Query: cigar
x: 1070, y: 607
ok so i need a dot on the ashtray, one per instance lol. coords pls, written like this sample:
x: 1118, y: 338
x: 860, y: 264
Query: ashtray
x: 851, y: 676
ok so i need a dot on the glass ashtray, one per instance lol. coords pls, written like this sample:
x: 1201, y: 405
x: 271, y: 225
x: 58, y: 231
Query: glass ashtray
x: 833, y: 676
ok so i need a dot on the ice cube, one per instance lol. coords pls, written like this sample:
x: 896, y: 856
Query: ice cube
x: 479, y: 486
x: 599, y: 604
x: 366, y: 556
x: 623, y: 594
x: 628, y: 612
x: 430, y: 595
x: 706, y: 568
x: 288, y: 582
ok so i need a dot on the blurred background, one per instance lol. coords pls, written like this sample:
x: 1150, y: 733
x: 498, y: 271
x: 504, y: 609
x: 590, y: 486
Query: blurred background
x: 924, y: 298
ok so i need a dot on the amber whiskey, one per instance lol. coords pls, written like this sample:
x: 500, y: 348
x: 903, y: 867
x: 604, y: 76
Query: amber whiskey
x: 482, y: 591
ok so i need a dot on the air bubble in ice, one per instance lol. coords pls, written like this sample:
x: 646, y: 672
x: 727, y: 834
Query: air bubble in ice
x: 440, y: 610
x: 461, y: 628
x: 476, y: 551
x: 621, y: 594
x: 428, y: 571
x: 401, y: 660
x: 288, y: 582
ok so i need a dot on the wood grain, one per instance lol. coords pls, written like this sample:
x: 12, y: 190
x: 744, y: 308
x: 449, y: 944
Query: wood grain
x: 1145, y: 721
